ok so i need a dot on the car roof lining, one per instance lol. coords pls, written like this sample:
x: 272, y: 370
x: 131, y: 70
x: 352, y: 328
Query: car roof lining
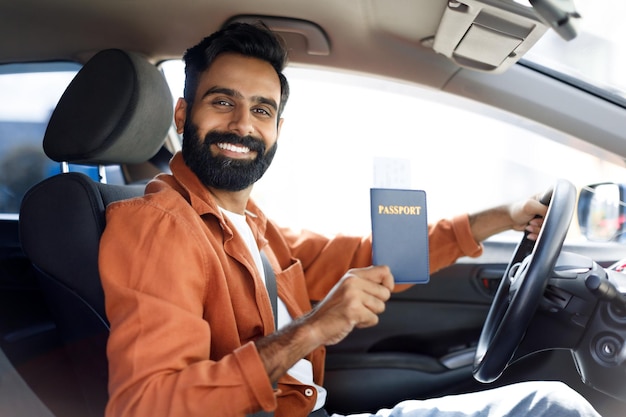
x: 397, y: 30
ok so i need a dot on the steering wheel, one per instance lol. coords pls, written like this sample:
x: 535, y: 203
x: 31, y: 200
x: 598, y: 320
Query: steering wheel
x: 523, y: 285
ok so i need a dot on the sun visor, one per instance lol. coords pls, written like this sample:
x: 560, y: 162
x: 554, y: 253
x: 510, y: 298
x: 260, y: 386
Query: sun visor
x: 487, y: 35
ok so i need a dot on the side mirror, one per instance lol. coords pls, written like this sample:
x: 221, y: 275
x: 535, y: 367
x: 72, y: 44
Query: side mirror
x: 602, y: 212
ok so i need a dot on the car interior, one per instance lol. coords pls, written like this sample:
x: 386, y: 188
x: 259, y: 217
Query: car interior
x: 468, y: 329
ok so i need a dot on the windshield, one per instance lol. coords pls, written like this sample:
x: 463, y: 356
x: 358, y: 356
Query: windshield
x: 595, y: 59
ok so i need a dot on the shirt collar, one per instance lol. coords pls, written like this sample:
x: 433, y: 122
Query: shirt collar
x: 203, y: 202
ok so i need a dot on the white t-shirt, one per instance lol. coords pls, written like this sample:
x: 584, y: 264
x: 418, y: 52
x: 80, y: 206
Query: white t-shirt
x: 303, y: 369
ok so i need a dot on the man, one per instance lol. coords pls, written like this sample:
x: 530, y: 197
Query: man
x: 192, y: 328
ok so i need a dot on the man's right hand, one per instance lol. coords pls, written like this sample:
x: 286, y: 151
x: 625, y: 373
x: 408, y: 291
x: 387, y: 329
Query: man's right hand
x: 354, y: 302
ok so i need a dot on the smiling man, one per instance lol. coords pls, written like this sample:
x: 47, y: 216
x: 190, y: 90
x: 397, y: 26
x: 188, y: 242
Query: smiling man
x: 232, y: 131
x: 192, y: 326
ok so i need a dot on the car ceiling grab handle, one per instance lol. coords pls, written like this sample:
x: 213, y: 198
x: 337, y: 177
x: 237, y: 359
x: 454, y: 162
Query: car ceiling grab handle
x: 317, y: 41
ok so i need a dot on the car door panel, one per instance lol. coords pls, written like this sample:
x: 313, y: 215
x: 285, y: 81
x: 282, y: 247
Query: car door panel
x: 422, y: 346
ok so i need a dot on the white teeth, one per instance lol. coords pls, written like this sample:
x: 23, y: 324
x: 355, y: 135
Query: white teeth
x: 233, y: 148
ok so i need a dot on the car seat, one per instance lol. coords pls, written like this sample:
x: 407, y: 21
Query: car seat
x: 117, y: 110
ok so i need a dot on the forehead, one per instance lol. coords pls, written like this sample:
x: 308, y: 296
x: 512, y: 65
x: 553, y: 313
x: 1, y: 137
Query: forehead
x: 251, y: 77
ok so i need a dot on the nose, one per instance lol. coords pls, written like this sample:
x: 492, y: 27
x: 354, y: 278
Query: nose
x: 241, y: 122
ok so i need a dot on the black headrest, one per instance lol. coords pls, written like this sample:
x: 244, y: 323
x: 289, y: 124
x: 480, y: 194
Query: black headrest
x: 116, y: 110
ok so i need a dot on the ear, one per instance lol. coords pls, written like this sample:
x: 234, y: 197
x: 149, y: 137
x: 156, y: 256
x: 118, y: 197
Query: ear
x: 280, y: 125
x: 180, y: 114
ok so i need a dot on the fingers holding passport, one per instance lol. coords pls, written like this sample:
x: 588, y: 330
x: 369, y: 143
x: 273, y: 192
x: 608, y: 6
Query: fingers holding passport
x: 354, y: 302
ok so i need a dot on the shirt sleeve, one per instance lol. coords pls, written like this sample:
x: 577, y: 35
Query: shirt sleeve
x: 159, y: 347
x: 326, y: 259
x: 448, y: 240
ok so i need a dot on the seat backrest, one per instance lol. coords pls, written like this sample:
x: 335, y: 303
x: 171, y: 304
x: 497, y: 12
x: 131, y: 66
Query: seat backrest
x: 117, y: 110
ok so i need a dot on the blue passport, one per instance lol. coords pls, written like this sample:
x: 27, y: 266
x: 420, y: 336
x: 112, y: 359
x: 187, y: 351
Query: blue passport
x: 400, y: 233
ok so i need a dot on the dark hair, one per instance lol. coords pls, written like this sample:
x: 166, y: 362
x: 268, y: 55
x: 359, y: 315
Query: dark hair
x: 253, y: 40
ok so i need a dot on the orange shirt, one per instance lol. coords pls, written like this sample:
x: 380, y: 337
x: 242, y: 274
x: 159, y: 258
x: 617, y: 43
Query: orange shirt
x: 185, y: 301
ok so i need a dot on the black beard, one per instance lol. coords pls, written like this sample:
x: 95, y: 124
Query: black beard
x: 220, y: 172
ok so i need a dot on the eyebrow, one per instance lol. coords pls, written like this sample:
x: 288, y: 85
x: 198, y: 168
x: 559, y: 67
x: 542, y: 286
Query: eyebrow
x: 236, y: 94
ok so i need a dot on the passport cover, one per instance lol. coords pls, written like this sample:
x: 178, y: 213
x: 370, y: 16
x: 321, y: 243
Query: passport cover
x: 400, y: 233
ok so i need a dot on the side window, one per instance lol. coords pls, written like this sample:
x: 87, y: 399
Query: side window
x: 346, y: 133
x: 29, y: 93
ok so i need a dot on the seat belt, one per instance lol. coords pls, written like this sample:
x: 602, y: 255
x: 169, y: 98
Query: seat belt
x: 270, y: 284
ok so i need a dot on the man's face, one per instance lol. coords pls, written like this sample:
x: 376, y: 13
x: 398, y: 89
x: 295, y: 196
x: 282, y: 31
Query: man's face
x: 230, y: 134
x: 222, y: 172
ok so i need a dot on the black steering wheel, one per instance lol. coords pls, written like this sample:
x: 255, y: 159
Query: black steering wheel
x: 523, y: 285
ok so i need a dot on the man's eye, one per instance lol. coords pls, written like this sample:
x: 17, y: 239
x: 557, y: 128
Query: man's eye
x: 262, y: 111
x: 222, y: 103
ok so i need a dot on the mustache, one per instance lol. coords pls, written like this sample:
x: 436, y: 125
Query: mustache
x: 248, y: 141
